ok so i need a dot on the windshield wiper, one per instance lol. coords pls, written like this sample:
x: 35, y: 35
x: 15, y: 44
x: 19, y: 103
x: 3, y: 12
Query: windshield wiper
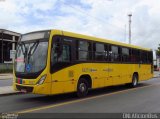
x: 21, y: 44
x: 24, y: 51
x: 32, y: 50
x: 27, y: 54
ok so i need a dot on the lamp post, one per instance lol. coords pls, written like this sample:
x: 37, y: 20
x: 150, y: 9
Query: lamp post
x: 130, y: 15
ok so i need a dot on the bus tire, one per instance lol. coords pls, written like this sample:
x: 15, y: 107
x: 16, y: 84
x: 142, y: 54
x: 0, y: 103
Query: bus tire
x: 82, y: 87
x: 134, y: 81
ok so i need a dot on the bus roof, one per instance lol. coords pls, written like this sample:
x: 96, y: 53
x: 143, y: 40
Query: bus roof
x: 76, y: 35
x: 66, y: 33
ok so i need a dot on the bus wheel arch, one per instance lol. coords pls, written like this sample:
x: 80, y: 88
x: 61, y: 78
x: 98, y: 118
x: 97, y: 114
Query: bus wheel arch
x: 135, y: 79
x: 88, y: 79
x: 136, y: 73
x: 83, y: 84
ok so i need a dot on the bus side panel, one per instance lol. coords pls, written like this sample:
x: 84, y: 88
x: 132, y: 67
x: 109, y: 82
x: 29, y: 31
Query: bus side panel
x: 63, y: 81
x: 63, y: 87
x: 126, y: 72
x: 99, y: 76
x: 42, y: 89
x: 145, y: 72
x: 66, y: 80
x: 115, y: 73
x: 149, y: 74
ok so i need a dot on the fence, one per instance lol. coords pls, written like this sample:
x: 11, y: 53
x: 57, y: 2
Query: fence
x: 6, y: 67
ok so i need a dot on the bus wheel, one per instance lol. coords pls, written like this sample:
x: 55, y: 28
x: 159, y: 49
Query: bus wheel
x: 82, y: 87
x: 134, y: 80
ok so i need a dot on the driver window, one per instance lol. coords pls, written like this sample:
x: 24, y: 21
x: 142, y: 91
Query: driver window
x: 65, y: 55
x: 60, y: 53
x: 54, y: 55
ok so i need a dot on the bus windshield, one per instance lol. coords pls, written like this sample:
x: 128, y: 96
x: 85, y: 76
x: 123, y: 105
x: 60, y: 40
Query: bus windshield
x: 31, y: 56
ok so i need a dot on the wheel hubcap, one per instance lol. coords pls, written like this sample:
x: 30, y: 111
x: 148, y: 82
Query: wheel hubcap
x: 135, y: 82
x: 82, y: 87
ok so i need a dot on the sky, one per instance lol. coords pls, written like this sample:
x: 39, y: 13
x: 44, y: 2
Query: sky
x: 101, y: 18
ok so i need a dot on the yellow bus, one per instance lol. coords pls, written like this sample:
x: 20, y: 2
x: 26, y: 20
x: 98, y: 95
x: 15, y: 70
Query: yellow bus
x: 54, y: 62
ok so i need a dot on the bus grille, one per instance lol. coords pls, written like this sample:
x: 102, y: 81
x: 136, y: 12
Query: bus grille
x: 26, y: 88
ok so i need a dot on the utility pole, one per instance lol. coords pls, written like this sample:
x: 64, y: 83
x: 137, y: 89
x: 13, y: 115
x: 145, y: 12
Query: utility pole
x: 130, y: 15
x: 125, y: 34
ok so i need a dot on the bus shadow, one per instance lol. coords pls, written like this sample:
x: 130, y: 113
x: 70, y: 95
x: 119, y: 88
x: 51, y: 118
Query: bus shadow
x: 112, y: 89
x: 72, y: 96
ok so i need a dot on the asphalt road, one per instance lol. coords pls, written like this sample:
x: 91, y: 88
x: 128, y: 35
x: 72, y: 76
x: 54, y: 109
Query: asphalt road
x: 144, y: 98
x: 6, y: 82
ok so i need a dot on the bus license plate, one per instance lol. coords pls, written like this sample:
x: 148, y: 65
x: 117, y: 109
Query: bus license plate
x: 23, y: 90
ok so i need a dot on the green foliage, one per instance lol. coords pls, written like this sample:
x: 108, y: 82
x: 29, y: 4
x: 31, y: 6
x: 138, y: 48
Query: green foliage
x: 158, y: 51
x: 6, y: 68
x: 6, y: 71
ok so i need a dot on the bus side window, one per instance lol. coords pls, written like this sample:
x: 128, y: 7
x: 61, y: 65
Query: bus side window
x: 54, y: 54
x: 114, y: 53
x: 56, y: 49
x: 106, y: 52
x: 84, y: 51
x: 99, y: 52
x: 109, y: 53
x: 143, y: 57
x: 65, y: 55
x: 125, y: 54
x: 135, y: 57
x: 60, y: 52
x: 150, y: 57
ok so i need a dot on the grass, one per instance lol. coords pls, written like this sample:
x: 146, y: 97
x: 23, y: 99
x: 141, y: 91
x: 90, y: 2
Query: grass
x: 6, y: 71
x: 6, y: 68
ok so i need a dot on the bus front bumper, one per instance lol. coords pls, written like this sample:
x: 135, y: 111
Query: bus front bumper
x: 36, y: 89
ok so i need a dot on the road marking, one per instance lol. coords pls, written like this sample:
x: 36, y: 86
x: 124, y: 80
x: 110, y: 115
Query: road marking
x: 80, y: 100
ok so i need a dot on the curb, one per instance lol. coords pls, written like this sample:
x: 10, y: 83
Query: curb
x: 155, y: 76
x: 158, y: 76
x: 6, y: 79
x: 5, y: 76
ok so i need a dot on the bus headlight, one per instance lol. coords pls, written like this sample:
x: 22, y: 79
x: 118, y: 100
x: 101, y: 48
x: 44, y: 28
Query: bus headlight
x: 42, y: 79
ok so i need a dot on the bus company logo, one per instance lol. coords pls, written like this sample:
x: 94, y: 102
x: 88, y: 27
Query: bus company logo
x: 85, y: 69
x: 108, y: 70
x: 88, y: 70
x: 93, y: 70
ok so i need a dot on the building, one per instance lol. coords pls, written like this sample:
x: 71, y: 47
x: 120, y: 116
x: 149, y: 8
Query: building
x: 8, y: 41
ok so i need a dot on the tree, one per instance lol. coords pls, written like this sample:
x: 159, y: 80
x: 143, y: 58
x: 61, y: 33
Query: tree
x: 158, y: 51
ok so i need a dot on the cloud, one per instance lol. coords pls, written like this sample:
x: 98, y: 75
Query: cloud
x: 25, y: 16
x: 101, y: 18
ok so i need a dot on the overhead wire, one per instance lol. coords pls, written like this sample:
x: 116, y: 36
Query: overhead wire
x: 120, y: 29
